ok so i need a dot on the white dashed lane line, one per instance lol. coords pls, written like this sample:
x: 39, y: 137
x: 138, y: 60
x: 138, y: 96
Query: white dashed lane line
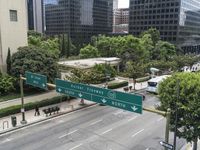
x: 93, y: 123
x: 6, y: 140
x: 75, y: 147
x: 106, y: 131
x: 68, y: 134
x: 132, y: 118
x: 137, y: 133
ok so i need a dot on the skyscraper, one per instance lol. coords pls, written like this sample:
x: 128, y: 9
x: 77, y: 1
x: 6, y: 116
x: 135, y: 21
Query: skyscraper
x: 115, y: 4
x: 81, y: 19
x: 177, y: 20
x: 35, y: 15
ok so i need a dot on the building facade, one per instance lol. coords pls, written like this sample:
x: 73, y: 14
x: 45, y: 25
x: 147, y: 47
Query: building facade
x: 177, y: 20
x: 120, y: 20
x: 35, y: 15
x: 13, y: 28
x: 81, y: 19
x: 115, y: 4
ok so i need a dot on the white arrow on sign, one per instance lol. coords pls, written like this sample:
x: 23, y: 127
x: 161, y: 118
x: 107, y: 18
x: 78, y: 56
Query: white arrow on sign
x: 80, y: 95
x: 134, y: 108
x: 59, y: 90
x: 43, y: 85
x: 103, y: 100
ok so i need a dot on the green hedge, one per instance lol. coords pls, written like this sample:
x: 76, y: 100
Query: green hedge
x: 143, y: 79
x: 117, y: 85
x: 29, y: 106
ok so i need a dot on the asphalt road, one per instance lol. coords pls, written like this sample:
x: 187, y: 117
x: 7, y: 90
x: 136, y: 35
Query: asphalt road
x: 94, y: 128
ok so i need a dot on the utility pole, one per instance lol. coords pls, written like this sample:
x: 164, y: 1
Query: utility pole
x: 22, y: 101
x: 176, y: 113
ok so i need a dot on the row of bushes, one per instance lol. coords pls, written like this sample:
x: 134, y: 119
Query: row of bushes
x: 29, y: 106
x: 143, y: 79
x: 117, y: 85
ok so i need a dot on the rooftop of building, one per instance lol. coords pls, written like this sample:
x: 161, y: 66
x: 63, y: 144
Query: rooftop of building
x: 89, y: 63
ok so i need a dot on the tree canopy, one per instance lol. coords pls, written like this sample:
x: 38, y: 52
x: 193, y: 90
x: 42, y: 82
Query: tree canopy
x: 51, y: 45
x: 35, y: 60
x: 187, y: 105
x: 89, y: 52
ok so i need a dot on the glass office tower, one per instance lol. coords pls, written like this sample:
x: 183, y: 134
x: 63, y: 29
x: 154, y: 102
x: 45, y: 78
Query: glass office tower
x: 177, y: 20
x: 81, y: 19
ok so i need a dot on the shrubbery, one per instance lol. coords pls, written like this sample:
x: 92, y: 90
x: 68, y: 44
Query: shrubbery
x: 117, y: 85
x: 7, y: 84
x: 29, y: 106
x: 35, y: 60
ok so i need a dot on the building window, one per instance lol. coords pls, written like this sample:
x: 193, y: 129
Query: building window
x: 13, y: 15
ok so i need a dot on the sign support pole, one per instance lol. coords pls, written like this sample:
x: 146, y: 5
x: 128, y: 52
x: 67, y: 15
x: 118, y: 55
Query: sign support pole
x: 22, y: 101
x: 168, y: 115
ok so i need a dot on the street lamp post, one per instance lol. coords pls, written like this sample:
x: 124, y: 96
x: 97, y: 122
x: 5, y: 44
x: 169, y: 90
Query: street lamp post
x: 22, y: 101
x: 176, y: 112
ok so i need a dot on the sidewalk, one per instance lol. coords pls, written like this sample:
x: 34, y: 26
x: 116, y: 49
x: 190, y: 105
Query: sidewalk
x: 29, y: 99
x: 188, y: 146
x: 65, y: 107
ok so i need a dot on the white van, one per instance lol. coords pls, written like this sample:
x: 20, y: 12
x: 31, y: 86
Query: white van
x: 154, y: 83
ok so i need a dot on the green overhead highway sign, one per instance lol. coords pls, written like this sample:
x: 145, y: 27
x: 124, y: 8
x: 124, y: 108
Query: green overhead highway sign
x: 126, y: 101
x: 36, y: 80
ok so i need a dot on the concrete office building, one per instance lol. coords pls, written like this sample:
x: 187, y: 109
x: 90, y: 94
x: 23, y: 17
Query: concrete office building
x: 177, y: 20
x: 81, y: 19
x: 115, y: 4
x: 121, y: 20
x: 13, y: 27
x: 35, y: 15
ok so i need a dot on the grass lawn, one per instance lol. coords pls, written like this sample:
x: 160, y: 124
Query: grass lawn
x: 11, y: 96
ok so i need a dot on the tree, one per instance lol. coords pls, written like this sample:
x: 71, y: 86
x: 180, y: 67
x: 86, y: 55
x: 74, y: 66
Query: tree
x: 185, y: 60
x: 188, y: 104
x: 66, y: 46
x: 155, y: 35
x: 35, y: 60
x: 42, y: 42
x: 8, y: 61
x: 134, y: 70
x: 6, y: 84
x: 146, y: 43
x: 163, y: 51
x: 107, y: 46
x: 89, y: 52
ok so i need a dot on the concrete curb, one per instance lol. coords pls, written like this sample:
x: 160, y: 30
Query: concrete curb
x: 48, y: 118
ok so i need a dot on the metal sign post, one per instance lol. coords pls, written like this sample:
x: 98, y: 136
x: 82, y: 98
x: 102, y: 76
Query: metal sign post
x: 22, y: 101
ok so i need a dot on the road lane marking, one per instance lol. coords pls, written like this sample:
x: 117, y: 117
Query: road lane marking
x: 76, y: 146
x: 137, y: 133
x: 68, y: 134
x: 132, y: 118
x: 93, y: 123
x: 118, y: 112
x: 160, y: 119
x: 106, y: 131
x: 6, y: 140
x: 61, y: 121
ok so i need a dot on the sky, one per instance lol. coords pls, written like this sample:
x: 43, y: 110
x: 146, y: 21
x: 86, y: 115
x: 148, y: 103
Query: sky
x: 123, y: 4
